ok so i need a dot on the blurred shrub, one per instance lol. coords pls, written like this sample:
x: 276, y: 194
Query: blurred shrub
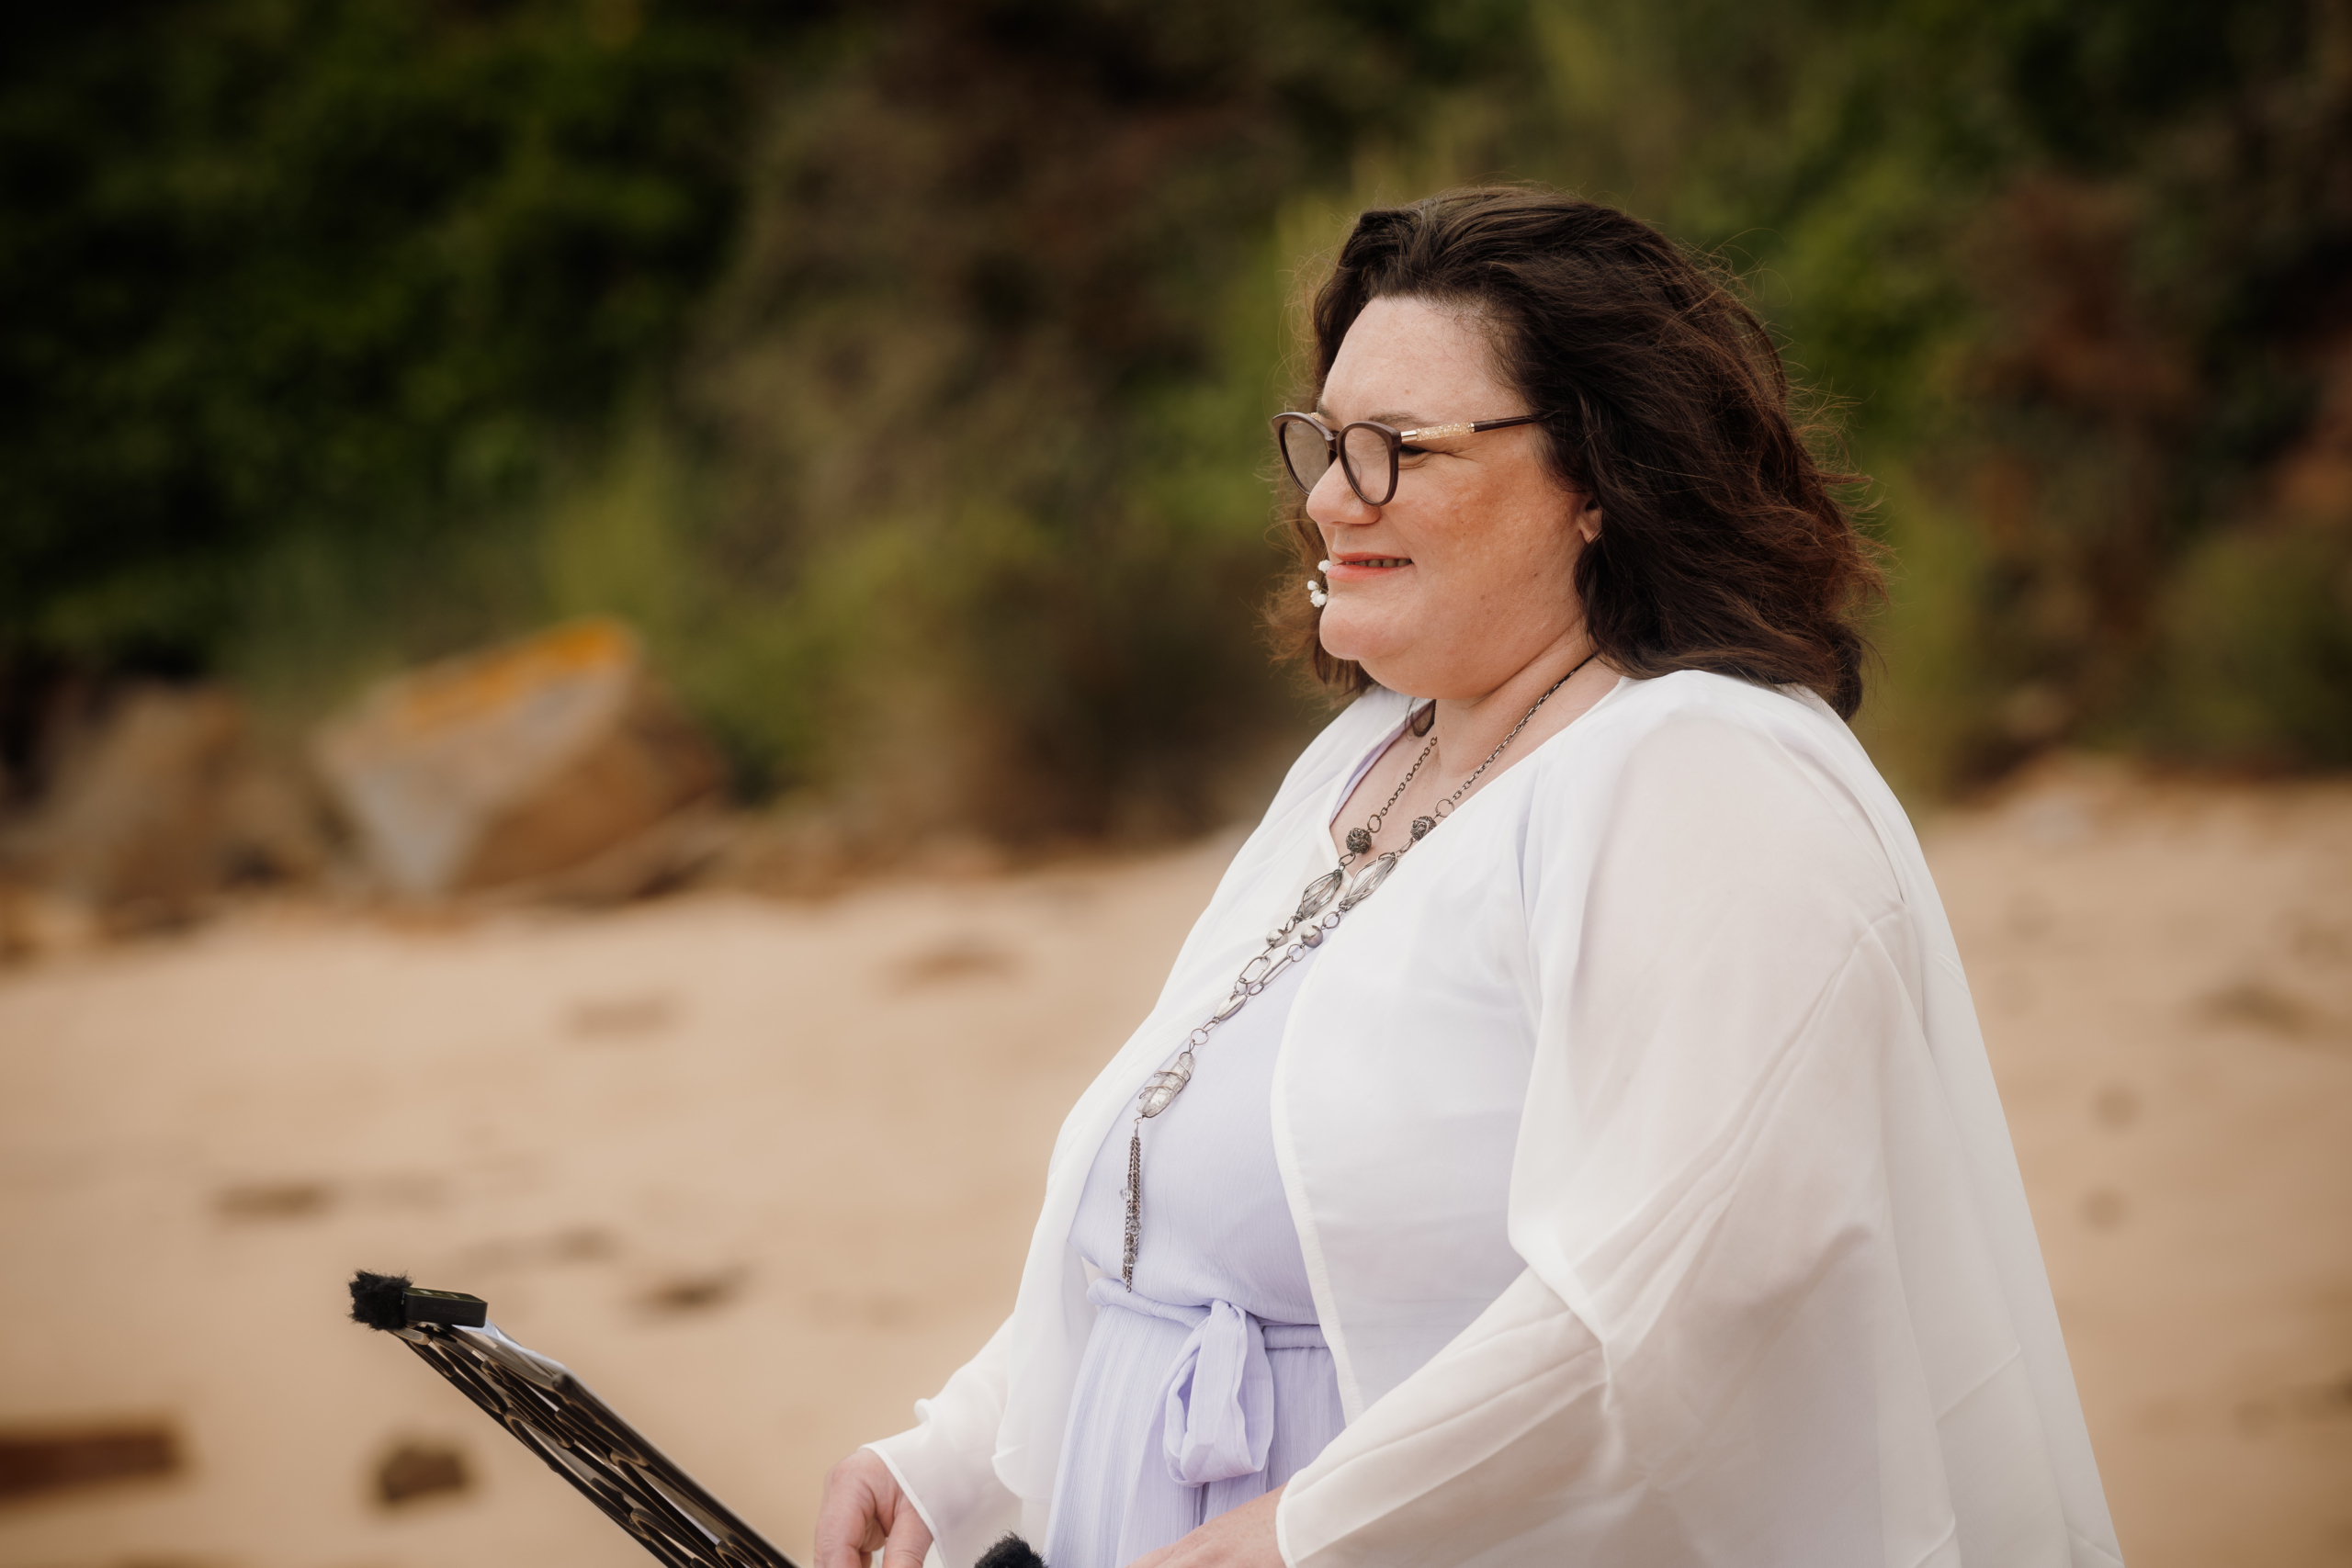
x: 2258, y: 650
x: 983, y: 404
x: 2078, y: 271
x: 315, y: 286
x: 902, y: 370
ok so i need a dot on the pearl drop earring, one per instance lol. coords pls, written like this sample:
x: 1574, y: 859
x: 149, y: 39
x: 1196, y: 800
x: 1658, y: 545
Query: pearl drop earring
x: 1317, y: 594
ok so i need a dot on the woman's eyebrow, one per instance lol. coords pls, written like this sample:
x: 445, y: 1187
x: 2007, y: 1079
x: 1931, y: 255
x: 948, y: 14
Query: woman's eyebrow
x: 1400, y: 418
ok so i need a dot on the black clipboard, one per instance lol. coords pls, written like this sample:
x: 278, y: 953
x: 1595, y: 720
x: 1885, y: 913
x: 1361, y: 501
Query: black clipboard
x: 555, y: 1415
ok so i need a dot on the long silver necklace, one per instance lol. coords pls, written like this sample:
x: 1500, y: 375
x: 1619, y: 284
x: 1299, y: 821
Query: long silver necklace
x: 1321, y: 906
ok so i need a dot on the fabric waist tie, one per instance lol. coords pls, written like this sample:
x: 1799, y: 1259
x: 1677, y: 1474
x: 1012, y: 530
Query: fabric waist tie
x: 1218, y: 1398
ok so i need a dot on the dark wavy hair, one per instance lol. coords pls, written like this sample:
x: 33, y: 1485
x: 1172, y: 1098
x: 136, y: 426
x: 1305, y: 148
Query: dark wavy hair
x: 1723, y: 543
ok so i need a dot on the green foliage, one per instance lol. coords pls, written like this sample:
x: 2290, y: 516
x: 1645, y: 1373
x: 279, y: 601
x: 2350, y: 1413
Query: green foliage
x: 903, y: 370
x: 2077, y: 270
x: 2266, y: 613
x: 279, y: 271
x: 991, y: 379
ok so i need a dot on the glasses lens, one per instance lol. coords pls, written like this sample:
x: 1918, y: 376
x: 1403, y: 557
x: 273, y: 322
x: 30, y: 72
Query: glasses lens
x: 1304, y: 452
x: 1365, y: 451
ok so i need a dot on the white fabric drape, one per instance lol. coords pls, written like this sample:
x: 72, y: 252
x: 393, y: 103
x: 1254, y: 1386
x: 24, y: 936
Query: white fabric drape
x: 1647, y: 1169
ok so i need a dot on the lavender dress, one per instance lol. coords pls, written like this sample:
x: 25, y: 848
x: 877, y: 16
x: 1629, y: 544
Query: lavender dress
x: 1210, y: 1383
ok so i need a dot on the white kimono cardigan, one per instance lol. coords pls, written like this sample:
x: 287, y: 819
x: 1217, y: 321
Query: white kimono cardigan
x: 1649, y: 1173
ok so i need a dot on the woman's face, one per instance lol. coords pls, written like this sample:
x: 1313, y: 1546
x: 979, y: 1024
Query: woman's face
x: 1463, y: 578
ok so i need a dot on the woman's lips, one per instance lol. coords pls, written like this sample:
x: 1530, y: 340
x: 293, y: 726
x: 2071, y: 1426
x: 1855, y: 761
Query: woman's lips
x: 1343, y: 567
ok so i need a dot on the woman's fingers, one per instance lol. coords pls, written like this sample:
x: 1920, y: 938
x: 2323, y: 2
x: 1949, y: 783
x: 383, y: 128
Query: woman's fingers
x: 863, y: 1511
x: 909, y: 1541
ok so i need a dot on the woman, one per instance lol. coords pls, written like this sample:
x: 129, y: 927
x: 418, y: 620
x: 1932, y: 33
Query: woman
x: 1612, y: 1173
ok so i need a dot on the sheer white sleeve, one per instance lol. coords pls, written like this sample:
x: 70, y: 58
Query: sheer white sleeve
x: 946, y: 1462
x: 1759, y: 1324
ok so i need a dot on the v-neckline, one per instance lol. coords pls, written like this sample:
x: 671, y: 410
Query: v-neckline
x: 1368, y: 759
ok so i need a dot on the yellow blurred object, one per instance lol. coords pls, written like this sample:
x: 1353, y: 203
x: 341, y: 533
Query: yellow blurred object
x: 523, y: 763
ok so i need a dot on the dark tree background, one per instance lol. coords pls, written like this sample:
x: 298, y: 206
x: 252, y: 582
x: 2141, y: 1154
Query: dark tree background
x: 901, y: 368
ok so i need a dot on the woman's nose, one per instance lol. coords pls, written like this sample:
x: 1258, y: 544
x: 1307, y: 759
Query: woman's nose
x: 1334, y: 502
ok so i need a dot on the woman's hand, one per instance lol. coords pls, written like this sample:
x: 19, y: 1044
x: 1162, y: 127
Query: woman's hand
x: 863, y: 1511
x: 1243, y: 1537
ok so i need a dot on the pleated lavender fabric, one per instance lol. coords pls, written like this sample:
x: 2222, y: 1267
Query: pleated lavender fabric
x: 1209, y: 1384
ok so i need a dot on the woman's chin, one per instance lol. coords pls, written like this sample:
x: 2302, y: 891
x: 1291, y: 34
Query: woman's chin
x: 1345, y: 634
x: 1380, y: 662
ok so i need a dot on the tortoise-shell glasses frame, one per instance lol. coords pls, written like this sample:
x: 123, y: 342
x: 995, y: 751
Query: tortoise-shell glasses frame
x: 1365, y: 451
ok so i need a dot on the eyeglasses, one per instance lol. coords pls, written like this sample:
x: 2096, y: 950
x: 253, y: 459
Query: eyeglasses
x: 1365, y: 452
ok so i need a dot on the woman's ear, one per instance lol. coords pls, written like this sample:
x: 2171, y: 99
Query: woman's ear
x: 1588, y: 518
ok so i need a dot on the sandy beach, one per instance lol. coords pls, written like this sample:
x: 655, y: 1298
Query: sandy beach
x: 762, y: 1173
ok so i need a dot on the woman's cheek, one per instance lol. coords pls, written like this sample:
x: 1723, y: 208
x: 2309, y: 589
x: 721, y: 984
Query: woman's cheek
x: 1343, y: 629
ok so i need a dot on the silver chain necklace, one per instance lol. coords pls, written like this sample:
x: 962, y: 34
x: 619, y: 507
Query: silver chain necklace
x: 1320, y: 916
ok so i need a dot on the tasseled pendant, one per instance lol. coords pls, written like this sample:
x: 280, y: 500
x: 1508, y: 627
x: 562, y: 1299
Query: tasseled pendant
x: 1135, y: 1206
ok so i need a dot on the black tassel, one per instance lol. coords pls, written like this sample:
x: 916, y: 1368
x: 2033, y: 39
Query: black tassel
x: 1011, y: 1553
x: 380, y: 1301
